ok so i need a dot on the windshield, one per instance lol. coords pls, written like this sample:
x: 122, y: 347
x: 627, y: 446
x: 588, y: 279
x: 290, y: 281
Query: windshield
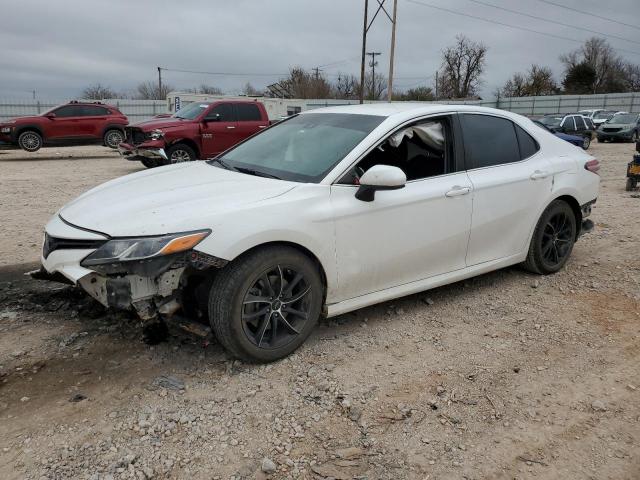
x: 551, y: 121
x: 191, y: 111
x: 302, y: 149
x: 603, y: 115
x: 622, y: 119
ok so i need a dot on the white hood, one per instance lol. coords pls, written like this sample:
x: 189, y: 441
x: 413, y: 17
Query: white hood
x: 168, y: 199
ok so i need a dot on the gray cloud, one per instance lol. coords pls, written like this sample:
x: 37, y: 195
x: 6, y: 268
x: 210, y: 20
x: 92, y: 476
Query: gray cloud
x: 58, y: 48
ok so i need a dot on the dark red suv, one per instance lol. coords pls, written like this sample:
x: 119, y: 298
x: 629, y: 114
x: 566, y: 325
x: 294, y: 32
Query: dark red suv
x: 70, y: 124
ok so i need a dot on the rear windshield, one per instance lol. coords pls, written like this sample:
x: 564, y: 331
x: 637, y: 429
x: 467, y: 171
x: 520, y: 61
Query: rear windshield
x: 551, y: 121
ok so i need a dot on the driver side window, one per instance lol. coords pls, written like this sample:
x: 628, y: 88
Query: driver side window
x: 421, y: 150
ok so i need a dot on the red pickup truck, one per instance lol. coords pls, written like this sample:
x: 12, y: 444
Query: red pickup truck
x: 199, y: 130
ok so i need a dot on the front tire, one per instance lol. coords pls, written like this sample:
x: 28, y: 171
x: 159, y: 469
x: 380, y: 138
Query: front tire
x: 149, y: 162
x: 552, y: 240
x: 30, y: 141
x: 264, y: 305
x: 179, y: 153
x: 112, y: 138
x: 631, y: 184
x: 634, y: 137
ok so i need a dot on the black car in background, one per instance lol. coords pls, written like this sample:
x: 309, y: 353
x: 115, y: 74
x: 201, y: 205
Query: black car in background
x: 571, y: 124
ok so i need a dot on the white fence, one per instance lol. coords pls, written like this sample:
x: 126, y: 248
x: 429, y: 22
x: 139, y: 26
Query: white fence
x: 139, y: 110
x: 136, y: 110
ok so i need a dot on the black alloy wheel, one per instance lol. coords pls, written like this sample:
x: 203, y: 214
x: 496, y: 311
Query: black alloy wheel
x: 276, y: 307
x: 553, y: 239
x: 264, y: 304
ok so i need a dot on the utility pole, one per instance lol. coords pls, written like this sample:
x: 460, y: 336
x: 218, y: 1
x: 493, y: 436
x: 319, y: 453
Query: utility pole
x: 364, y: 49
x: 373, y: 64
x: 393, y: 49
x: 436, y: 84
x: 160, y: 82
x: 34, y: 94
x: 316, y: 71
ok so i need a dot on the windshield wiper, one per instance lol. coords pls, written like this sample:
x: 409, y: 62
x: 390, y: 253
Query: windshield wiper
x: 257, y: 173
x: 223, y: 164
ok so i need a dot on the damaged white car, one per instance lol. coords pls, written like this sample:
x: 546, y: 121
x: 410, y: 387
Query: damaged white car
x: 326, y: 212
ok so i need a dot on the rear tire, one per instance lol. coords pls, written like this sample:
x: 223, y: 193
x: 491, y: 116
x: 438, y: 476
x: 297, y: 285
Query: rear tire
x: 264, y: 305
x: 586, y: 142
x: 631, y: 184
x: 112, y: 138
x: 552, y: 240
x: 30, y: 141
x: 179, y: 153
x: 634, y: 137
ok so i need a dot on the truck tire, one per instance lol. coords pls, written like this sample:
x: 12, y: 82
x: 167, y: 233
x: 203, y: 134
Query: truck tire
x: 265, y: 304
x: 179, y: 153
x: 149, y: 162
x: 552, y: 240
x: 112, y: 138
x: 30, y: 140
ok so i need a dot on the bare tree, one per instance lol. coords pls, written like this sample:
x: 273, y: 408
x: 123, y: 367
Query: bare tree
x: 536, y: 81
x: 303, y: 84
x: 420, y: 94
x: 632, y: 77
x: 250, y: 91
x: 98, y: 91
x: 209, y: 90
x: 599, y: 55
x: 346, y: 87
x: 374, y: 86
x: 150, y: 91
x: 462, y: 65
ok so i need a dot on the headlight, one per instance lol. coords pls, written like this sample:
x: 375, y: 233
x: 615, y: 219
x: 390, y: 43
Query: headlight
x: 130, y: 249
x: 156, y: 134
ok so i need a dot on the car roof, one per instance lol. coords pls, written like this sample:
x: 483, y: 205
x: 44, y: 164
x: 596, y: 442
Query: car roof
x: 402, y: 110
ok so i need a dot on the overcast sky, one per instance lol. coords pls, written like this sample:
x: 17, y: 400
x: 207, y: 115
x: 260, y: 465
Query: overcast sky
x: 59, y: 47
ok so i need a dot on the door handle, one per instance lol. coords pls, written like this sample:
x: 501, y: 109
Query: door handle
x: 539, y: 175
x: 262, y: 126
x: 230, y: 127
x: 457, y: 191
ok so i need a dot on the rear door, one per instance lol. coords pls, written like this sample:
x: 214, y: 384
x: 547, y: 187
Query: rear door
x: 569, y: 125
x: 581, y: 126
x: 511, y: 181
x: 249, y: 120
x: 218, y: 129
x: 94, y: 119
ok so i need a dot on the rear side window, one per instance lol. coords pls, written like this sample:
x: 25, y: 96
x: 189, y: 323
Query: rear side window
x: 489, y: 141
x: 225, y: 110
x: 579, y: 122
x: 248, y: 112
x: 528, y: 144
x: 569, y: 124
x: 90, y: 111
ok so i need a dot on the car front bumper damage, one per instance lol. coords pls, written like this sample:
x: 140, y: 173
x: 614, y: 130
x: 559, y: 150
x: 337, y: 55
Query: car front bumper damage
x: 152, y: 287
x: 134, y: 152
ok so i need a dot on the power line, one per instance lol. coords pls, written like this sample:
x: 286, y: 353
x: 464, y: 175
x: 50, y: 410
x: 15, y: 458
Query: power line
x: 507, y: 24
x: 229, y: 74
x: 589, y: 13
x: 553, y: 21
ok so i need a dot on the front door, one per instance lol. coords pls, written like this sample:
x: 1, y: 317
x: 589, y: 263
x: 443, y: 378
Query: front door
x: 65, y: 124
x: 218, y: 130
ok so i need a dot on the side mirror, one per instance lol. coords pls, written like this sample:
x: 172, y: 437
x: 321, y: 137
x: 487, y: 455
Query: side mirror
x: 50, y: 115
x: 380, y: 177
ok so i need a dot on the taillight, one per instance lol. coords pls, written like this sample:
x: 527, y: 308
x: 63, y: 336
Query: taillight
x: 593, y: 166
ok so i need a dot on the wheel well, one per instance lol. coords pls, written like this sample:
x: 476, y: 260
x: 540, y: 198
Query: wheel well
x: 29, y: 129
x: 112, y: 127
x: 305, y: 251
x: 577, y: 211
x: 190, y: 143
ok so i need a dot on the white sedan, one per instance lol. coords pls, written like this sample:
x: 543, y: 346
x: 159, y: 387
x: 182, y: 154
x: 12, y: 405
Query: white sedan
x: 324, y: 213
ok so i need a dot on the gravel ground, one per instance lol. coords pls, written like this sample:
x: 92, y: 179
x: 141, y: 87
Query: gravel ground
x: 508, y: 375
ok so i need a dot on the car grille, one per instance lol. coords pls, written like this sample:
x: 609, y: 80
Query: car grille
x: 611, y: 129
x: 134, y: 135
x: 52, y: 244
